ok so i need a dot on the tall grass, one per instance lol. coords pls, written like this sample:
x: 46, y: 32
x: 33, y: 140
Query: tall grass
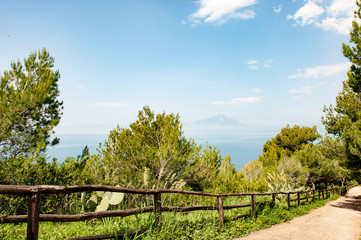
x: 193, y: 225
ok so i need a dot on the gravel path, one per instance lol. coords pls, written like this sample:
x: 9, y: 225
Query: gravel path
x: 338, y: 220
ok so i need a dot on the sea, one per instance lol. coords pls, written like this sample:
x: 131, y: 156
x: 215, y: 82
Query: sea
x: 242, y: 148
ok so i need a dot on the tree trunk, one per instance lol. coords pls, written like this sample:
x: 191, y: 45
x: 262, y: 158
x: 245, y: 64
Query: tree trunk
x: 343, y: 182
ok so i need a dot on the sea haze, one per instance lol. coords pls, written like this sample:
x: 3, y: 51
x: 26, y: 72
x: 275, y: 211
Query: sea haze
x: 244, y: 143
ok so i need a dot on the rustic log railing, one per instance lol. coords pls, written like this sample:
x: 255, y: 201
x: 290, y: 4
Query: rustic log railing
x: 35, y: 192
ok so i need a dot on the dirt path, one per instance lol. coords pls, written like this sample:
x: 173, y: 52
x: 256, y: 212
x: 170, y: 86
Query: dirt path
x: 338, y: 220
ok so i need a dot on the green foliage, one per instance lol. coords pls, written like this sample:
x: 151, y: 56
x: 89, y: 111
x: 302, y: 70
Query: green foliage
x: 229, y: 179
x: 100, y: 201
x: 29, y: 108
x: 277, y: 161
x: 288, y: 141
x: 194, y: 225
x: 254, y: 173
x: 154, y: 142
x: 74, y: 171
x: 324, y: 161
x: 291, y: 160
x: 278, y: 182
x: 344, y: 119
x: 36, y: 169
x: 204, y: 169
x: 292, y: 167
x: 282, y: 182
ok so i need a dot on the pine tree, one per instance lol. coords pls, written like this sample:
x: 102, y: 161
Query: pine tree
x: 344, y: 119
x: 29, y: 108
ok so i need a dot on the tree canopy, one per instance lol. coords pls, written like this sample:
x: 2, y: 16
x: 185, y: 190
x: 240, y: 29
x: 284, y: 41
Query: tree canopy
x: 287, y: 142
x: 344, y: 119
x: 29, y: 105
x: 154, y: 143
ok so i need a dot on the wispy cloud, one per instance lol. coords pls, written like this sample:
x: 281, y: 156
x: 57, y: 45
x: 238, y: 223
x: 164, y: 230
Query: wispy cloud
x: 239, y: 100
x: 110, y: 104
x: 321, y: 71
x: 253, y: 67
x: 333, y: 15
x: 307, y: 89
x: 277, y: 9
x: 251, y: 61
x: 257, y: 90
x: 254, y: 64
x: 220, y: 11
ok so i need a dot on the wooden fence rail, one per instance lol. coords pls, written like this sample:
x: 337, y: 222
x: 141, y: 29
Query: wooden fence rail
x: 35, y: 193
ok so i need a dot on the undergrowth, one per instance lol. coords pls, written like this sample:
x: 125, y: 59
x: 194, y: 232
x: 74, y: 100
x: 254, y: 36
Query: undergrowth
x: 194, y: 225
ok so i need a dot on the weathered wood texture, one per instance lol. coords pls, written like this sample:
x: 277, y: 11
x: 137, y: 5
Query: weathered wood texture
x: 113, y: 213
x: 36, y: 192
x: 33, y: 217
x: 220, y: 210
x: 158, y: 209
x: 50, y: 189
x: 288, y: 200
x: 253, y: 204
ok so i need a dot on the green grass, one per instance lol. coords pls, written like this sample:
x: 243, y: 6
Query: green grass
x: 194, y: 225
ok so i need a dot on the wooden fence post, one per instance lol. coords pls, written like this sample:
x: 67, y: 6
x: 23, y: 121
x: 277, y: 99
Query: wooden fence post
x: 253, y: 204
x: 298, y: 199
x: 33, y: 216
x: 319, y: 194
x: 307, y: 197
x: 323, y: 194
x: 288, y: 200
x: 158, y: 209
x: 273, y: 199
x: 220, y: 210
x: 313, y: 195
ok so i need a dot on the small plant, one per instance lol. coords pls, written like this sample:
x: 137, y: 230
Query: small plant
x: 107, y: 199
x: 279, y: 182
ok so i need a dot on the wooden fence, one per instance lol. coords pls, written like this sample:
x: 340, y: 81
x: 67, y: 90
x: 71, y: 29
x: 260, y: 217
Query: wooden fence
x: 36, y: 192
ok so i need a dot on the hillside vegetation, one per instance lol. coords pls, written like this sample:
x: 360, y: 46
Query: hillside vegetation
x: 153, y: 153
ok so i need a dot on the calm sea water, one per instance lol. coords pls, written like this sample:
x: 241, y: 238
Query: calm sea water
x: 242, y: 149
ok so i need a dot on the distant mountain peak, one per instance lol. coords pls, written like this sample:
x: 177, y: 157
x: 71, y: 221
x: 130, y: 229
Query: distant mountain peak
x: 219, y: 120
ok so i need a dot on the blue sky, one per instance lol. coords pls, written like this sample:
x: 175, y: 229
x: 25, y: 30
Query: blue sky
x: 261, y: 62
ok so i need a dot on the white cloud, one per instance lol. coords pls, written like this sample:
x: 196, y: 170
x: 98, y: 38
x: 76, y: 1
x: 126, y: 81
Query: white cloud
x: 322, y: 71
x: 301, y: 90
x: 253, y: 64
x: 257, y: 90
x: 110, y: 104
x: 307, y: 14
x: 252, y: 61
x: 219, y: 11
x: 239, y: 100
x: 253, y: 67
x: 341, y: 8
x: 339, y: 25
x: 277, y: 9
x: 333, y: 15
